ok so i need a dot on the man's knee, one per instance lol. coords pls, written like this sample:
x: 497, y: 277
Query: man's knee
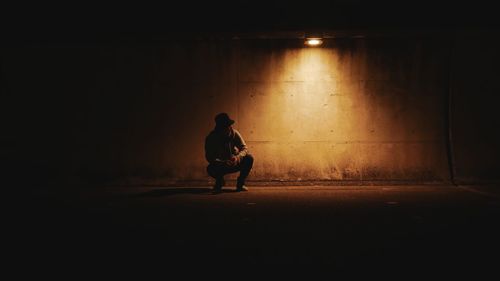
x: 248, y: 159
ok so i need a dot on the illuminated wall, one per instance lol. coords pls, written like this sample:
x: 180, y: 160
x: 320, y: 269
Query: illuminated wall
x: 353, y: 109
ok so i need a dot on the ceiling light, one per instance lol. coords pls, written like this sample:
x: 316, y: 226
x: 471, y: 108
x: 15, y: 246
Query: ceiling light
x: 313, y: 41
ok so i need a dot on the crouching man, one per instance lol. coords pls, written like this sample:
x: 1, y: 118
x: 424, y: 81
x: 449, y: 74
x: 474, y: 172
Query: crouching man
x: 226, y: 152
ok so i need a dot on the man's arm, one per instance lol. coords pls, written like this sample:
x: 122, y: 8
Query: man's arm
x: 240, y: 144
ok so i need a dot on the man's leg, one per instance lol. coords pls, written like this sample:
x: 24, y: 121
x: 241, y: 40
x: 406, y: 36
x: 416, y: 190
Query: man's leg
x: 245, y: 167
x: 217, y: 171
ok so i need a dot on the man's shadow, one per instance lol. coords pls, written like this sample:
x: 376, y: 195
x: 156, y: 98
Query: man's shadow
x: 180, y: 190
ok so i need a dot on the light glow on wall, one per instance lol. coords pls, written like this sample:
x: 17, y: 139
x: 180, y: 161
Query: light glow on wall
x: 350, y: 109
x: 302, y: 104
x: 335, y: 113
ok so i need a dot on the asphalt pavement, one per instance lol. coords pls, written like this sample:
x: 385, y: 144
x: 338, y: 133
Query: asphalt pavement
x: 424, y: 228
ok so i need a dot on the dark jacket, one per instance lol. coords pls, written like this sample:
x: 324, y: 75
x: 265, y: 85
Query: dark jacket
x: 219, y: 147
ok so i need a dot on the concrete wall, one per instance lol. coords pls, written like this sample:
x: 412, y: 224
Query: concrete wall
x: 475, y: 101
x: 354, y: 109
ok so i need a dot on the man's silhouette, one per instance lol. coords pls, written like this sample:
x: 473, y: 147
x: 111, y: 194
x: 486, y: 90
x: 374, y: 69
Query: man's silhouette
x: 227, y: 152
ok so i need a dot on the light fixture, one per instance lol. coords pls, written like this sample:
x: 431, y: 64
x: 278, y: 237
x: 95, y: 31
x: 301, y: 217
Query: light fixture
x: 313, y: 39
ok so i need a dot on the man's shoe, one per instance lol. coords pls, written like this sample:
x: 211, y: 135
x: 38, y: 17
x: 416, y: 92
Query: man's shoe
x: 241, y: 188
x: 218, y: 185
x: 240, y: 184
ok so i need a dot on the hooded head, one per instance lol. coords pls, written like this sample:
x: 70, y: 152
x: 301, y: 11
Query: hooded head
x: 223, y: 120
x: 223, y: 124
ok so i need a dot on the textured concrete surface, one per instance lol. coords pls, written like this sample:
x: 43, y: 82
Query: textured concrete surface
x: 352, y: 109
x: 370, y: 108
x: 388, y: 230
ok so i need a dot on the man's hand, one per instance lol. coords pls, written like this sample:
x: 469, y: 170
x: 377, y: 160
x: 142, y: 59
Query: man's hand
x: 233, y: 161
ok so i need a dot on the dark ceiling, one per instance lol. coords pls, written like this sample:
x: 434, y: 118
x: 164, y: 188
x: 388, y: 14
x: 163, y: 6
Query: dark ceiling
x: 67, y: 20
